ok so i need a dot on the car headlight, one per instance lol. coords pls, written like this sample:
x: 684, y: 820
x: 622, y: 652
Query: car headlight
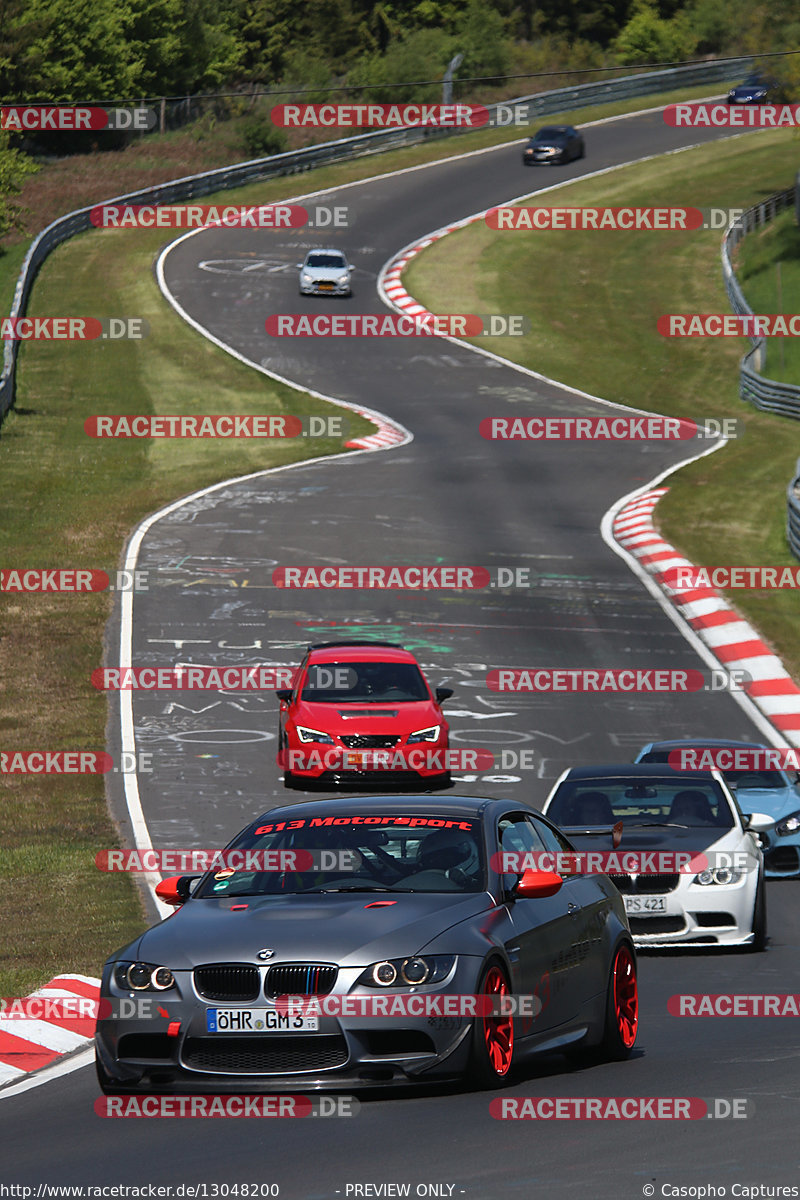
x: 142, y: 977
x: 343, y: 279
x: 408, y: 972
x: 718, y: 875
x: 431, y: 734
x: 314, y: 735
x: 788, y: 825
x: 304, y: 278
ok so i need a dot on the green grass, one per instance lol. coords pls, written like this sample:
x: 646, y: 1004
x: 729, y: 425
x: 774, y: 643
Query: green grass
x: 729, y: 507
x: 760, y: 255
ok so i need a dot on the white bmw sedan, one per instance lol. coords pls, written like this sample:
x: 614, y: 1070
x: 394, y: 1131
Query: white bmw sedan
x: 675, y: 843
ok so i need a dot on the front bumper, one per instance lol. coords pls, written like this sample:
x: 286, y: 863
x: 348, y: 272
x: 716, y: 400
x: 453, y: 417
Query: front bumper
x: 341, y: 766
x: 145, y: 1053
x: 717, y: 915
x: 781, y: 854
x: 321, y: 289
x: 542, y: 160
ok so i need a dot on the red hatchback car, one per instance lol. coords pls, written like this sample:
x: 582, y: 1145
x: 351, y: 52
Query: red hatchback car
x: 362, y: 712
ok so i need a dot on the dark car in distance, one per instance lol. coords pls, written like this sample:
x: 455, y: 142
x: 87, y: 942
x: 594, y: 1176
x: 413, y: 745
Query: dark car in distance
x: 755, y: 89
x: 553, y: 144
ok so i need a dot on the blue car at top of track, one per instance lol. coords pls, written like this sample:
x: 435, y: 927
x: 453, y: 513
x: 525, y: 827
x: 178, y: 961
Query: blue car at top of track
x: 774, y: 793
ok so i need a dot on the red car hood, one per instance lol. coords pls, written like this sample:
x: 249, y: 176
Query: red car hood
x: 403, y: 717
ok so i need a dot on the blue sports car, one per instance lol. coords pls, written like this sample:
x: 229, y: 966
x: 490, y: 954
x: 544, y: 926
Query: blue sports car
x: 753, y: 90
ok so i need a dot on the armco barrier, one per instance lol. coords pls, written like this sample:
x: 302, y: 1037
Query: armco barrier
x: 767, y: 394
x: 793, y: 512
x: 559, y: 100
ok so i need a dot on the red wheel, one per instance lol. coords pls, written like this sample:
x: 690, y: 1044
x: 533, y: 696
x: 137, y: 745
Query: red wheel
x: 493, y: 1036
x: 626, y: 997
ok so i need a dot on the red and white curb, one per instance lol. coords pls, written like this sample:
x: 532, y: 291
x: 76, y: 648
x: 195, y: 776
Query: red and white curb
x: 732, y: 640
x: 390, y: 284
x: 27, y: 1044
x: 389, y: 434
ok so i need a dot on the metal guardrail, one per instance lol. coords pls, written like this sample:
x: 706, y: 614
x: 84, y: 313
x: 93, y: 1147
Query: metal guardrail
x: 766, y: 394
x: 793, y: 512
x: 561, y: 99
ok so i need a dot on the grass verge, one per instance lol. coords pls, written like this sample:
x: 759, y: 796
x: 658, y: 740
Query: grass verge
x: 729, y: 507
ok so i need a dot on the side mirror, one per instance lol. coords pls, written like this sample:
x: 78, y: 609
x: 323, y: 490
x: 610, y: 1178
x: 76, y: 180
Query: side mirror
x: 299, y: 266
x: 535, y: 885
x: 351, y: 269
x: 757, y: 821
x: 284, y: 694
x: 176, y: 890
x: 443, y: 694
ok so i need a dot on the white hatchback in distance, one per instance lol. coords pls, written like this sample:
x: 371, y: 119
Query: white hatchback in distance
x: 325, y: 273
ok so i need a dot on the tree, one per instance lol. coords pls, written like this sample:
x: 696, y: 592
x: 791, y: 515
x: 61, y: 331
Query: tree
x: 648, y: 38
x: 14, y: 167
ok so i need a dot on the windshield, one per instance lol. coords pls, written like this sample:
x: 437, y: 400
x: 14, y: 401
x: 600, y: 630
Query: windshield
x: 550, y: 134
x: 602, y: 802
x: 357, y: 853
x: 364, y: 683
x: 325, y: 260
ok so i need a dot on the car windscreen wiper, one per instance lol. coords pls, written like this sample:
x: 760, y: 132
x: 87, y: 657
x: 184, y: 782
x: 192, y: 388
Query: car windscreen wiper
x: 662, y: 825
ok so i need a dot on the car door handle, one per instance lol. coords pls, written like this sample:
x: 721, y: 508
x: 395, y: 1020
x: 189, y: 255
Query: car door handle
x: 572, y: 907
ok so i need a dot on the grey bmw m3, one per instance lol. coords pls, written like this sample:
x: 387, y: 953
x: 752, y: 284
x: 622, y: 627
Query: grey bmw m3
x: 370, y: 942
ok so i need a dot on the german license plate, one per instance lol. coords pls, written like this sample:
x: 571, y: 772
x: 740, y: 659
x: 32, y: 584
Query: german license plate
x: 258, y: 1020
x: 645, y: 906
